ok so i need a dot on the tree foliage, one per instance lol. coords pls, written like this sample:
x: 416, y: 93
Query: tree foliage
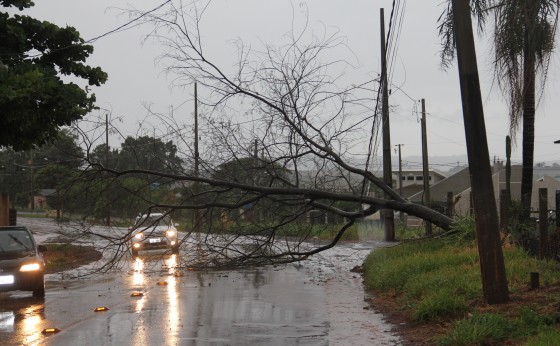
x: 35, y: 98
x: 523, y: 36
x: 26, y: 172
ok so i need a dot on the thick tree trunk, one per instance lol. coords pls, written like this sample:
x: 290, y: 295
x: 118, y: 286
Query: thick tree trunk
x: 528, y: 153
x: 528, y: 130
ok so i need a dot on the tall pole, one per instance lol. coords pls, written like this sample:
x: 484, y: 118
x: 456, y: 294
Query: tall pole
x: 107, y: 207
x: 400, y: 168
x: 425, y: 165
x: 388, y: 215
x: 492, y: 267
x: 31, y: 172
x: 196, y: 163
x: 401, y: 214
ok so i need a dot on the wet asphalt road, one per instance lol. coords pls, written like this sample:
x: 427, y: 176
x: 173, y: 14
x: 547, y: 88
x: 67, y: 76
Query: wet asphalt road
x: 282, y: 305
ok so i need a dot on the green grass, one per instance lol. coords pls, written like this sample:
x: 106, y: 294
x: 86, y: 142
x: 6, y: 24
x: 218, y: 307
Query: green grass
x: 495, y: 328
x: 439, y: 279
x: 547, y: 337
x: 478, y: 329
x: 425, y: 274
x: 357, y: 232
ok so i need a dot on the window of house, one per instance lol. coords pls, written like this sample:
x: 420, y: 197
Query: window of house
x: 419, y: 177
x: 410, y: 178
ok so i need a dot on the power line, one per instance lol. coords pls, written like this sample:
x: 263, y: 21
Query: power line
x: 94, y: 39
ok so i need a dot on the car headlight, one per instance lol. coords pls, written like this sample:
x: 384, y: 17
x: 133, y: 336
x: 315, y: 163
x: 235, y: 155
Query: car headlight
x: 171, y: 233
x: 30, y: 267
x: 139, y: 235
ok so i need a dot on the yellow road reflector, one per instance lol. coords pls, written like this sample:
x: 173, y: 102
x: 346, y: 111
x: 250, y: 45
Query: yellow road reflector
x: 137, y: 294
x: 101, y: 308
x: 162, y: 283
x: 50, y: 330
x: 178, y: 274
x: 190, y: 269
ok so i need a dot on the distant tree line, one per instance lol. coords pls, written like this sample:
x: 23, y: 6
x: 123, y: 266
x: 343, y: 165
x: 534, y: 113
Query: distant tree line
x: 60, y: 168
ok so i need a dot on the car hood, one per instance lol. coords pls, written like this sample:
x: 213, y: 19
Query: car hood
x: 157, y: 230
x: 10, y: 259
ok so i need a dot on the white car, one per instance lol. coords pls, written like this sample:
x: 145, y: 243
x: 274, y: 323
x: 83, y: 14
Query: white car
x: 154, y: 231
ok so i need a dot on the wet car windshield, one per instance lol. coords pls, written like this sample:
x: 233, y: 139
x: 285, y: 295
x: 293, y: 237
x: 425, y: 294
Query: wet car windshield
x: 15, y: 241
x: 153, y: 220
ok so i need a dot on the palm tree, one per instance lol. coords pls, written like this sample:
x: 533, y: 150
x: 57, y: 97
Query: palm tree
x: 524, y: 32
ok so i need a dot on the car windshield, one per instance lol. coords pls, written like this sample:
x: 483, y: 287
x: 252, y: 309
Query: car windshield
x: 153, y: 220
x: 15, y: 241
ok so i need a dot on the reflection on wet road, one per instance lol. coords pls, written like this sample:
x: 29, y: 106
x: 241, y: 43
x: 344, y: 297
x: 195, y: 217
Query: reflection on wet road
x: 272, y: 306
x: 21, y: 317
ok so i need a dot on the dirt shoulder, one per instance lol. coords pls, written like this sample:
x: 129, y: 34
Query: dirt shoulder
x: 409, y: 331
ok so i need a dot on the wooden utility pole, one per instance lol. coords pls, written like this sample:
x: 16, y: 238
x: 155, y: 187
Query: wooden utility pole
x: 31, y: 173
x: 543, y: 222
x: 401, y: 214
x: 196, y: 227
x: 400, y: 167
x: 108, y: 206
x: 493, y: 273
x: 4, y: 209
x: 388, y: 214
x: 425, y: 165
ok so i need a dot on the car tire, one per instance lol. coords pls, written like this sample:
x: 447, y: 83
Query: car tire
x: 134, y: 252
x: 39, y: 292
x: 175, y: 249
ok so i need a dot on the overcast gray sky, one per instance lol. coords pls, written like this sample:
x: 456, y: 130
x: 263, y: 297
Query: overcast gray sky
x: 135, y: 79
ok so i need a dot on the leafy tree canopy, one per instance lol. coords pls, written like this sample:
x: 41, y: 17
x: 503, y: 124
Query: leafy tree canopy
x: 253, y: 171
x: 144, y: 152
x: 34, y: 101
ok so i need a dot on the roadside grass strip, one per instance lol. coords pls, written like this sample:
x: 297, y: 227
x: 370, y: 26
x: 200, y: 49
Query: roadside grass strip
x: 438, y: 280
x: 489, y: 327
x: 548, y: 336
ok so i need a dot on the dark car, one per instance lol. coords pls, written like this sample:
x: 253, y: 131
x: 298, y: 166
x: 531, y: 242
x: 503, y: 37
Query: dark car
x: 21, y: 263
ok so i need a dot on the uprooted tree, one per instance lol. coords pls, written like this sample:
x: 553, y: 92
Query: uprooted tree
x: 281, y: 146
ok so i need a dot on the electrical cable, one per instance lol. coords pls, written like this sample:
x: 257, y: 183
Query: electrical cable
x: 94, y: 39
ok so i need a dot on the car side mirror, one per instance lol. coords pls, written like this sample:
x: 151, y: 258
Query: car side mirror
x: 42, y: 248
